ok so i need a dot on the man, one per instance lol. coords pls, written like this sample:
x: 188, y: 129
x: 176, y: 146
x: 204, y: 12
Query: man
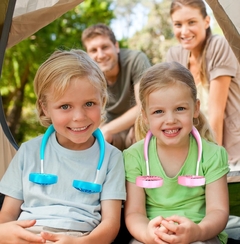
x: 122, y: 69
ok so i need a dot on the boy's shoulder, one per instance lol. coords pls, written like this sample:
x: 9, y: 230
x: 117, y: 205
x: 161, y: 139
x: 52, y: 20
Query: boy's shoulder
x: 33, y: 141
x: 112, y: 149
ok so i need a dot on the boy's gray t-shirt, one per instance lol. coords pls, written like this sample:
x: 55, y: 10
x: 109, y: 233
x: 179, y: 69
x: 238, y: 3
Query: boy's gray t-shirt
x: 61, y: 205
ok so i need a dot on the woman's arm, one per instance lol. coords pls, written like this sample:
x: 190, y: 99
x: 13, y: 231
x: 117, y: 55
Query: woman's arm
x: 218, y: 94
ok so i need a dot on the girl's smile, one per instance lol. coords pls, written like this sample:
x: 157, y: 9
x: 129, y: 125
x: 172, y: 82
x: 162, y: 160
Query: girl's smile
x: 170, y: 114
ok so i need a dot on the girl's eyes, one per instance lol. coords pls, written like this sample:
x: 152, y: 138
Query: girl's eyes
x: 161, y: 111
x: 180, y: 109
x: 158, y: 112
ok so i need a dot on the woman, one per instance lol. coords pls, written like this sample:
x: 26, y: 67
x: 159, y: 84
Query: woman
x: 215, y: 69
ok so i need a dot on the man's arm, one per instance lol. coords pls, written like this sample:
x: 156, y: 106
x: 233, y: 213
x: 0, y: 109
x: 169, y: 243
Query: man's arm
x: 124, y: 121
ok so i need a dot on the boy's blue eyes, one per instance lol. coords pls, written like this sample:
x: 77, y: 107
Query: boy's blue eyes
x: 89, y: 104
x: 66, y: 106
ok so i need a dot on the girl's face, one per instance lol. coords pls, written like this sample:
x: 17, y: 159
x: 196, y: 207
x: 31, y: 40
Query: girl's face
x: 169, y: 114
x: 76, y: 114
x: 189, y: 27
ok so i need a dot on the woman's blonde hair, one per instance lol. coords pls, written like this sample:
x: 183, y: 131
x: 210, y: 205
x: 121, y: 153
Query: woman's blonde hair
x: 56, y: 73
x: 163, y: 75
x: 197, y: 4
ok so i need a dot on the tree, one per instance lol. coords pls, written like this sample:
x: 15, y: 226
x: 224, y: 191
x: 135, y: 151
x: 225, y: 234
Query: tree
x: 157, y: 36
x: 22, y: 61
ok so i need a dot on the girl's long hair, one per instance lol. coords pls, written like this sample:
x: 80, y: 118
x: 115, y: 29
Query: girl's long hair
x: 161, y: 76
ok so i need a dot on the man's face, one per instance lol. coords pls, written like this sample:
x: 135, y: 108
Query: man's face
x: 103, y: 51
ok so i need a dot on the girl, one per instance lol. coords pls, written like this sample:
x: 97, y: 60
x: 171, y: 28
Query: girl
x: 71, y: 95
x: 174, y: 213
x: 215, y: 69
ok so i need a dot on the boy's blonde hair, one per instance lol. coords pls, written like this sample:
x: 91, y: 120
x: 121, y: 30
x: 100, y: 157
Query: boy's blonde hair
x: 163, y: 75
x: 56, y: 73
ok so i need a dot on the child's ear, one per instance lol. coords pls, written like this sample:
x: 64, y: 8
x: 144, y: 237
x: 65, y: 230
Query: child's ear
x: 196, y: 109
x: 144, y: 117
x: 44, y: 108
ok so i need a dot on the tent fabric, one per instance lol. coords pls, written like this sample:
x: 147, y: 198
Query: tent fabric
x: 7, y: 151
x: 226, y: 12
x: 8, y: 146
x: 32, y: 15
x: 19, y: 20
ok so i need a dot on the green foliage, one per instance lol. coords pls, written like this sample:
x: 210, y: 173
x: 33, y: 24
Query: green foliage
x: 157, y: 36
x: 22, y: 61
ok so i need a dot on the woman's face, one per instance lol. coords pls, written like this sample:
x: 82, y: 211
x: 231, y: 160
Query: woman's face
x: 190, y: 27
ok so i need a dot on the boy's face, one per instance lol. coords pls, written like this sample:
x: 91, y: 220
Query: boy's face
x: 76, y: 114
x: 103, y: 51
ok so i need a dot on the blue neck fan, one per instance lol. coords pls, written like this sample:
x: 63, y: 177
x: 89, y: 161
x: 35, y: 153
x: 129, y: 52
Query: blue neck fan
x: 49, y: 179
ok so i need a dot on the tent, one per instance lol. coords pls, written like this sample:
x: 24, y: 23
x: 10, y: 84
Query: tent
x: 226, y: 13
x: 20, y: 19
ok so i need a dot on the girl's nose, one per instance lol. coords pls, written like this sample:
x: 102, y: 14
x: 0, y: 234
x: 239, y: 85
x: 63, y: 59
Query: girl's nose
x: 170, y: 118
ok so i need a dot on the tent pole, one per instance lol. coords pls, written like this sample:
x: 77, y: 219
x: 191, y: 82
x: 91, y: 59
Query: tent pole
x: 3, y: 44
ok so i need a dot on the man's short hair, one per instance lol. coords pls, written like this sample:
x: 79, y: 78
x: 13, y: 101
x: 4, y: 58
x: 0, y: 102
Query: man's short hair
x: 98, y: 30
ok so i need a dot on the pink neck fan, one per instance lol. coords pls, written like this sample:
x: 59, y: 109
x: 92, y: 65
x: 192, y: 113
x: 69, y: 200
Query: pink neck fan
x: 149, y: 181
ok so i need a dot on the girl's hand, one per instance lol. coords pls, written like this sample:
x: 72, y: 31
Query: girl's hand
x: 14, y: 232
x: 155, y: 226
x: 180, y: 230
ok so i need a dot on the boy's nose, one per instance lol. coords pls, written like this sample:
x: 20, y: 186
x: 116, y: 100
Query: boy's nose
x: 78, y: 114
